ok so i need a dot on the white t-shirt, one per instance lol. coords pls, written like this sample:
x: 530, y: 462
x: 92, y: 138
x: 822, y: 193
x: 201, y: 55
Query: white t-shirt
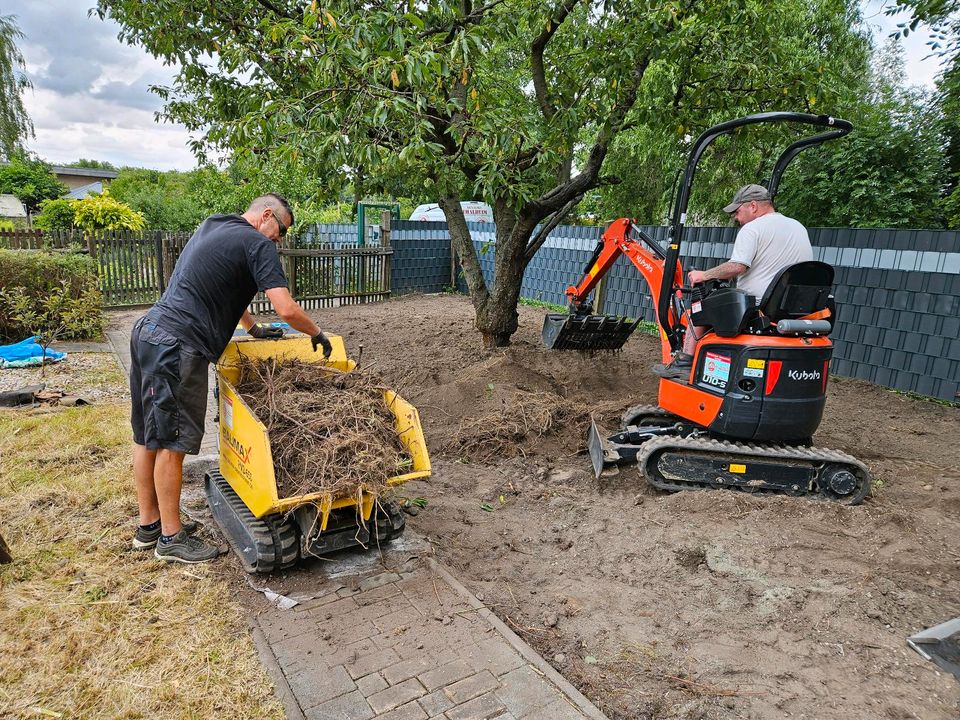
x: 766, y: 246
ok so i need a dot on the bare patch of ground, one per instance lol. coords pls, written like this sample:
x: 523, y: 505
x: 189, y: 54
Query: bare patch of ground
x: 694, y: 605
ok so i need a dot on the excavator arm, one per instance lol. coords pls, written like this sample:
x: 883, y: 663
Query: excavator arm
x: 583, y: 330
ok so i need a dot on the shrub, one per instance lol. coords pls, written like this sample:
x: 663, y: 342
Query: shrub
x: 39, y: 276
x: 102, y: 212
x: 55, y: 214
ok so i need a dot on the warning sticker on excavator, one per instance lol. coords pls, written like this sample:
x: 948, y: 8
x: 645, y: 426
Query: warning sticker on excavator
x: 756, y: 363
x: 740, y: 469
x: 716, y: 370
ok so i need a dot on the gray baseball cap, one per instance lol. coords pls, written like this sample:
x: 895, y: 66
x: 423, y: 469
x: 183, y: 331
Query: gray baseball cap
x: 746, y: 194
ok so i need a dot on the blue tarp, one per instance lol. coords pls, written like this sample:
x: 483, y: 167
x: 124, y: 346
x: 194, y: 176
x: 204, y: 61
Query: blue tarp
x: 27, y: 353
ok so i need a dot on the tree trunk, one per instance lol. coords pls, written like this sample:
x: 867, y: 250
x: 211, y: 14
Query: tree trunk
x: 496, y: 306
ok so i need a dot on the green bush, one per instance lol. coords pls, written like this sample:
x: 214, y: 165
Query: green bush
x: 38, y: 275
x: 55, y: 215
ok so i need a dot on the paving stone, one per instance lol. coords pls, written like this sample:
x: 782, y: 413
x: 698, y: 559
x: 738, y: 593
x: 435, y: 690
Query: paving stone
x: 435, y: 703
x: 495, y: 655
x: 396, y: 695
x: 326, y: 599
x: 371, y: 662
x: 471, y: 687
x: 379, y: 594
x: 372, y: 683
x: 376, y: 581
x: 408, y: 636
x: 410, y: 711
x: 404, y: 617
x: 484, y: 707
x: 317, y: 685
x: 338, y: 607
x: 446, y: 674
x: 282, y: 624
x: 306, y: 649
x: 351, y: 706
x: 351, y: 652
x: 557, y: 710
x: 524, y: 691
x: 406, y: 669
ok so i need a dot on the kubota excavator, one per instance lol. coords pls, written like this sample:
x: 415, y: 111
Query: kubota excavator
x: 745, y: 417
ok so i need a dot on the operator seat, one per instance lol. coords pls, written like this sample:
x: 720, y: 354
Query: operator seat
x: 799, y: 290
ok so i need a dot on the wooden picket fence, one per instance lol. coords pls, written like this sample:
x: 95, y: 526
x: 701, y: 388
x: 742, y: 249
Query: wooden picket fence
x: 135, y: 268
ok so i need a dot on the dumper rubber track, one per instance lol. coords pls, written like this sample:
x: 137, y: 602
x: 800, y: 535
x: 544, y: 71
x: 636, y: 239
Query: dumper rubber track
x: 678, y: 463
x: 263, y: 544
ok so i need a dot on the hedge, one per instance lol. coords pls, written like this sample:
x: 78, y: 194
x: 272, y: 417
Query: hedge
x: 37, y: 273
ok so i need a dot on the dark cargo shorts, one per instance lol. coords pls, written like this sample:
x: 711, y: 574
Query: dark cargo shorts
x: 168, y: 390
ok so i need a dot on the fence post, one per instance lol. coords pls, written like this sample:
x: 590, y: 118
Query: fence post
x: 385, y: 217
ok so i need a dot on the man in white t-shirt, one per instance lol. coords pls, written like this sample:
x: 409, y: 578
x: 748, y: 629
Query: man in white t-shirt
x: 766, y: 243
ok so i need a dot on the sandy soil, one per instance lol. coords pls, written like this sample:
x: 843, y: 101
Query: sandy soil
x: 691, y: 605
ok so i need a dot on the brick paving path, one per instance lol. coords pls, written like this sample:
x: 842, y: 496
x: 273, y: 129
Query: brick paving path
x: 410, y: 645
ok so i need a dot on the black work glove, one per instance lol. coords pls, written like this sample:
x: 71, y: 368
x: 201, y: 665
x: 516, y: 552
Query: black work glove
x: 262, y: 332
x: 321, y: 339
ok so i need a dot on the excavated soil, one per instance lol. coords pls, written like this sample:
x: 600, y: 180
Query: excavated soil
x: 710, y: 605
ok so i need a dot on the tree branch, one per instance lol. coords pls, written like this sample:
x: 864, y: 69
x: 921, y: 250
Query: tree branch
x: 274, y: 9
x: 536, y: 56
x: 555, y: 219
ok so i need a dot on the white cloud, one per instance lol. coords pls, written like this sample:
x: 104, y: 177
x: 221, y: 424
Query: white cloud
x: 91, y: 93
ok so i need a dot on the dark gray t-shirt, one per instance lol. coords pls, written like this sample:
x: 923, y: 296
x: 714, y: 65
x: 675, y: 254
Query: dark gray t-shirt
x: 218, y: 273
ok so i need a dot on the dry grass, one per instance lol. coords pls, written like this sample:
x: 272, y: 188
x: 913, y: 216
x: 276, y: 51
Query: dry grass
x: 89, y: 628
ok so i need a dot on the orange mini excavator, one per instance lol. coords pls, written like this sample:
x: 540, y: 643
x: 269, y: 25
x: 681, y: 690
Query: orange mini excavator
x: 745, y: 417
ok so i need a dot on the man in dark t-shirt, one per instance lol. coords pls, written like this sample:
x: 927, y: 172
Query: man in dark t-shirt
x: 228, y: 259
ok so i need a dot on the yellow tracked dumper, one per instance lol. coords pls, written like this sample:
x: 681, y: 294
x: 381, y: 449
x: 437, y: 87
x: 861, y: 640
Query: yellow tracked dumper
x: 268, y: 532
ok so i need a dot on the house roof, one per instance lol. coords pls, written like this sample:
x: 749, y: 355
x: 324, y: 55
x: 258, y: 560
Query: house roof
x: 81, y: 192
x: 11, y: 207
x: 84, y: 172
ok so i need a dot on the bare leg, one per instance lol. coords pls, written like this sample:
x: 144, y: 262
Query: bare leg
x: 168, y: 478
x: 691, y: 337
x: 143, y: 466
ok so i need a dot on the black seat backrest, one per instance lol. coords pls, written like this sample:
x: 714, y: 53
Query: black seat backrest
x: 798, y: 290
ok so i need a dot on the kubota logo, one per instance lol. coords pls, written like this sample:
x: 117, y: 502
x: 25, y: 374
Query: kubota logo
x: 804, y: 375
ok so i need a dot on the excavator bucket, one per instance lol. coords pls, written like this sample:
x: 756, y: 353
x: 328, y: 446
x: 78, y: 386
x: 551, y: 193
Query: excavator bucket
x: 586, y: 332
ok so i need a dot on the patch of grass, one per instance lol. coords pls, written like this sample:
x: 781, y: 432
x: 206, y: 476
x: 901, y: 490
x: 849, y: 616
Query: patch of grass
x: 88, y: 627
x: 552, y: 307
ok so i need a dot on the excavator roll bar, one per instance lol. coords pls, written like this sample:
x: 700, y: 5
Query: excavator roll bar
x: 838, y: 127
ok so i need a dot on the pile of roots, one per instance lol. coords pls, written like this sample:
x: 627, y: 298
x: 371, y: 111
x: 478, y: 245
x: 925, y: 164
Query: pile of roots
x: 330, y: 431
x: 502, y: 432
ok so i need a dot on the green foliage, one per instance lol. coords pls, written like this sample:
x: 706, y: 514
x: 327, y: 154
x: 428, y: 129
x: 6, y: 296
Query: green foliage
x: 30, y: 180
x: 55, y: 214
x: 889, y: 172
x: 15, y: 125
x: 91, y: 164
x: 165, y: 199
x: 100, y: 211
x: 43, y: 291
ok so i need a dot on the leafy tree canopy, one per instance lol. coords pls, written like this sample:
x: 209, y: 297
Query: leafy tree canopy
x: 30, y: 180
x: 498, y: 100
x: 15, y: 125
x: 92, y: 164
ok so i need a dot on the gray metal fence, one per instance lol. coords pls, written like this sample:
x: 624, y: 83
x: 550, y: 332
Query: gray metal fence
x: 898, y: 291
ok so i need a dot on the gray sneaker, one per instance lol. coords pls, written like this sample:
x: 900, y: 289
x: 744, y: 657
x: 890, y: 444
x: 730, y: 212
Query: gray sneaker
x: 147, y: 539
x: 186, y: 549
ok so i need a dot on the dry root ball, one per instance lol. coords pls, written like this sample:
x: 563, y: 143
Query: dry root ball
x: 330, y: 431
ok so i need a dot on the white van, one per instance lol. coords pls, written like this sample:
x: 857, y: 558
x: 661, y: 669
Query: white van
x: 473, y: 211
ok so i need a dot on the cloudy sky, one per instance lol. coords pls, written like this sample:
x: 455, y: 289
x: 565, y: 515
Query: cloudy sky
x: 90, y: 94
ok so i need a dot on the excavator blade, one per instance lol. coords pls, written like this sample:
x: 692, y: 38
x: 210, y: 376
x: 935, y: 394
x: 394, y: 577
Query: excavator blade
x: 586, y: 332
x: 602, y: 452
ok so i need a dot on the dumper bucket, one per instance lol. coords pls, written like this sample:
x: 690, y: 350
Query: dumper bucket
x: 586, y: 332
